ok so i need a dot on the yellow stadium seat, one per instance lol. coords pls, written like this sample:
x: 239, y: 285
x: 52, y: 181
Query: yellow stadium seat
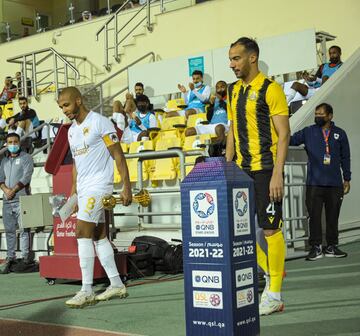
x: 124, y: 147
x: 166, y: 169
x: 196, y: 119
x: 137, y: 147
x: 192, y: 143
x: 172, y: 105
x: 159, y: 115
x: 168, y: 123
x: 8, y: 110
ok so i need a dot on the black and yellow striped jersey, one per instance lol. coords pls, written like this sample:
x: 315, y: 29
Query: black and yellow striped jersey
x: 250, y: 108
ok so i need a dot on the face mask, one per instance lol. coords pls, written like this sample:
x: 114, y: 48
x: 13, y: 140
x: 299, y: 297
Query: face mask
x: 221, y: 93
x: 13, y: 148
x: 320, y: 121
x: 198, y: 84
x: 142, y: 108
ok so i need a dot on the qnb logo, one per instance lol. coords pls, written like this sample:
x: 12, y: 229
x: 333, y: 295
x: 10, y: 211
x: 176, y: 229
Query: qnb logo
x: 241, y: 203
x: 207, y: 279
x: 245, y: 277
x: 199, y: 208
x: 205, y: 227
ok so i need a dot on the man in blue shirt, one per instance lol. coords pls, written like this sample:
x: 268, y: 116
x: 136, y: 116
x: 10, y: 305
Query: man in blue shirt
x: 217, y: 114
x: 328, y: 150
x: 195, y: 98
x: 325, y: 71
x: 142, y: 119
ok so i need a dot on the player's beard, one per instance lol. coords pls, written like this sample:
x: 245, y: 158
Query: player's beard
x: 75, y: 112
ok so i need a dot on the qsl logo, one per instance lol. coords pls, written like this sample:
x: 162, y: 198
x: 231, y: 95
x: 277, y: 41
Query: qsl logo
x: 250, y: 296
x: 204, y: 213
x: 241, y: 203
x: 207, y: 300
x: 215, y: 300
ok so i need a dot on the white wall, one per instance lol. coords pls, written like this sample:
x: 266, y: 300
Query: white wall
x: 280, y: 54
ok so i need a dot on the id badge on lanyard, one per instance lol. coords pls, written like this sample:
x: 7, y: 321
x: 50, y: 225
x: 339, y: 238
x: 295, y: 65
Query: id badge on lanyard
x: 327, y: 156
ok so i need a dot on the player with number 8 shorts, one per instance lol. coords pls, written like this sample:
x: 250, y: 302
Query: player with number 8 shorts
x: 94, y: 146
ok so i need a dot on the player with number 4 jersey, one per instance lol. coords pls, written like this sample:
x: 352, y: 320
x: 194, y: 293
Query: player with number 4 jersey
x: 258, y: 139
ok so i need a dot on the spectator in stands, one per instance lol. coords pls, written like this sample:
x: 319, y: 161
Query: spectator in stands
x: 15, y: 175
x: 196, y: 98
x: 258, y: 138
x: 217, y: 114
x: 9, y: 91
x: 121, y: 120
x: 324, y: 72
x: 328, y: 151
x: 130, y: 104
x: 19, y: 84
x: 139, y: 89
x: 142, y: 119
x: 24, y: 121
x: 86, y: 16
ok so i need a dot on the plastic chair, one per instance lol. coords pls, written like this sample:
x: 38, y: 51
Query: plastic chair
x: 166, y: 169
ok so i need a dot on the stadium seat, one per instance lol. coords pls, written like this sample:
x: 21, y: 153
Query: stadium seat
x: 8, y: 110
x: 173, y: 104
x: 193, y: 143
x: 166, y: 169
x: 159, y: 116
x: 196, y: 119
x: 135, y: 147
x: 172, y: 122
x: 124, y: 147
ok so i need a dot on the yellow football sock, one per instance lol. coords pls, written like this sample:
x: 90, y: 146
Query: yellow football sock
x: 276, y: 260
x: 262, y: 259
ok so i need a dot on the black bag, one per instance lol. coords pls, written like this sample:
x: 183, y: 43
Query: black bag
x: 140, y: 265
x: 166, y: 257
x: 24, y: 267
x: 173, y: 259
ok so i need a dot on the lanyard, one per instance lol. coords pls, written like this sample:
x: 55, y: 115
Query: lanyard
x: 326, y: 134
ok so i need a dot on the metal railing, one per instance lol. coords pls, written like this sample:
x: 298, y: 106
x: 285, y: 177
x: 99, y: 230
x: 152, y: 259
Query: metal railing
x: 112, y: 25
x: 42, y: 69
x: 294, y: 212
x: 100, y: 86
x: 47, y: 145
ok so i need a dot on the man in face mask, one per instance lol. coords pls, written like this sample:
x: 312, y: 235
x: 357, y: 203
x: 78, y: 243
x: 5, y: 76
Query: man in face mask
x: 195, y: 98
x: 328, y: 178
x: 15, y: 175
x: 217, y: 114
x: 142, y: 119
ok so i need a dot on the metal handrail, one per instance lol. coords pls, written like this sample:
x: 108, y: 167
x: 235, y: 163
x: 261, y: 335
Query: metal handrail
x: 106, y: 100
x: 111, y: 18
x: 30, y: 59
x: 13, y: 59
x: 114, y: 21
x: 151, y: 53
x: 40, y: 127
x: 132, y: 18
x: 106, y: 80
